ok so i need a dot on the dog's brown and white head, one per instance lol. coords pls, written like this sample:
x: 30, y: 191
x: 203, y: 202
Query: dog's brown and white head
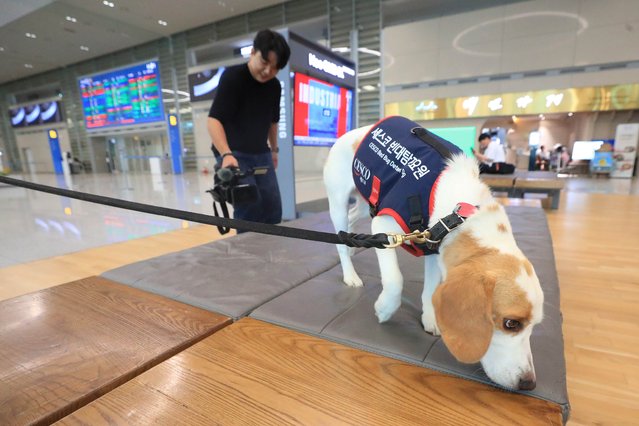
x: 490, y: 300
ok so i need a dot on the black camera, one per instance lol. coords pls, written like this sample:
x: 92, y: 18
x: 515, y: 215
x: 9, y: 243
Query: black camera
x: 228, y: 189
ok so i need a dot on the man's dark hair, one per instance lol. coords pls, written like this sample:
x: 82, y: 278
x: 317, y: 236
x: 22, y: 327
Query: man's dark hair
x: 266, y: 41
x: 483, y: 136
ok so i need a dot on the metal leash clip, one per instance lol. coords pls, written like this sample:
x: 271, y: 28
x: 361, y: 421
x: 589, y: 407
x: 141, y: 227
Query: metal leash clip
x: 417, y: 236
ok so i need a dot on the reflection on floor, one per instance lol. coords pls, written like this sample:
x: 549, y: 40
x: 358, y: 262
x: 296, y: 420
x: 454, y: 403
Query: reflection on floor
x: 36, y: 225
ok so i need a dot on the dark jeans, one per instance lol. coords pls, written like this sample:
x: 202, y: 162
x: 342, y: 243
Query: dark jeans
x: 497, y: 168
x: 268, y: 207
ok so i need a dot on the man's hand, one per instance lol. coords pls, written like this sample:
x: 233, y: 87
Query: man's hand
x: 479, y: 156
x: 229, y: 161
x: 274, y: 156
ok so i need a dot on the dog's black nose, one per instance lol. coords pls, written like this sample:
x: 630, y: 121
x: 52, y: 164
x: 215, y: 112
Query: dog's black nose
x: 527, y: 383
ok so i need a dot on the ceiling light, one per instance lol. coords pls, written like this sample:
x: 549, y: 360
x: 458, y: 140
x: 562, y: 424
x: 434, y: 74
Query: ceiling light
x: 245, y: 51
x: 31, y: 35
x: 369, y: 51
x: 1, y: 49
x: 71, y: 19
x: 108, y: 3
x: 570, y: 114
x: 28, y: 66
x: 86, y: 49
x: 163, y: 23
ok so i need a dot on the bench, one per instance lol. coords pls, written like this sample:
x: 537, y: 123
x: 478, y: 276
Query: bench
x: 304, y: 346
x: 253, y: 372
x: 525, y: 182
x: 297, y: 285
x: 65, y: 346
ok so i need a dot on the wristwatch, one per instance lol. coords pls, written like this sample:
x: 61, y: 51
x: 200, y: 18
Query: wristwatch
x: 276, y: 150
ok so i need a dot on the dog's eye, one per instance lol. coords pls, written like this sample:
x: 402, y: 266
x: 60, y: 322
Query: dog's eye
x: 512, y: 325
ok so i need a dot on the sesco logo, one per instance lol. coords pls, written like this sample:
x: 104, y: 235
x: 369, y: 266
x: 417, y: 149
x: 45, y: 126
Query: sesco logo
x: 361, y: 169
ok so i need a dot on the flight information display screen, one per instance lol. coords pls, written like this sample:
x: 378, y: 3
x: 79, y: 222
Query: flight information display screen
x: 127, y: 96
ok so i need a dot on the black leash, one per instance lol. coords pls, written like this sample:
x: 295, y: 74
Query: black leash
x: 349, y: 239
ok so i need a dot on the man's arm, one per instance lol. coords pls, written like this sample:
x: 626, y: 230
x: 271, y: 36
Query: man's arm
x: 481, y: 157
x: 272, y: 142
x: 218, y: 137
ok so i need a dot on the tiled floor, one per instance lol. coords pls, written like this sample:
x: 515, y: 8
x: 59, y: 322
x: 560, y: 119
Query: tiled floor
x: 37, y: 225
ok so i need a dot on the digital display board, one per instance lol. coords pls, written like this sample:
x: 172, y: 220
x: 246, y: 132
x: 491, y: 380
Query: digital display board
x: 203, y: 84
x: 127, y: 96
x: 322, y: 111
x: 36, y: 114
x: 585, y: 150
x: 461, y: 137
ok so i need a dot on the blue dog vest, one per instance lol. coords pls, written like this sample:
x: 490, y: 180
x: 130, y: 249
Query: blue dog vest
x: 396, y: 168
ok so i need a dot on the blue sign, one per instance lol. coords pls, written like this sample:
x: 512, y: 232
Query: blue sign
x: 175, y: 144
x: 56, y: 153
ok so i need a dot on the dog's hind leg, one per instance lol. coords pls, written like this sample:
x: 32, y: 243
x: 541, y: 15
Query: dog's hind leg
x: 392, y: 280
x: 432, y: 278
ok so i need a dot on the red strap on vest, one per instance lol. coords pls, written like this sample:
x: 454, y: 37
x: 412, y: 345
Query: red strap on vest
x: 374, y: 198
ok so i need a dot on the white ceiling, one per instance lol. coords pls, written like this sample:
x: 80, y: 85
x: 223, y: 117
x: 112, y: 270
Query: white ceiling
x: 100, y: 28
x: 133, y: 22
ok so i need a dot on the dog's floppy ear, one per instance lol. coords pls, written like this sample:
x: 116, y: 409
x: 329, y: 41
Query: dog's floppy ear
x: 463, y: 309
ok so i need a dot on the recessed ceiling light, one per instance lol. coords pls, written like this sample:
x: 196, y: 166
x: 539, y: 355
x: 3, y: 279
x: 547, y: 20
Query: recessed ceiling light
x: 108, y: 3
x: 31, y: 35
x: 570, y: 114
x: 163, y: 23
x: 28, y: 66
x: 1, y: 49
x: 85, y: 48
x: 71, y: 19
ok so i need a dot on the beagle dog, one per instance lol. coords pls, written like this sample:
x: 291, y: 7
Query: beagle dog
x: 481, y: 294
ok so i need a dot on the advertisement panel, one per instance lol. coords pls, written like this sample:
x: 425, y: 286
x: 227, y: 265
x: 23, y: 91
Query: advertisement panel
x: 626, y: 141
x: 203, y: 84
x: 35, y: 114
x: 580, y: 99
x: 322, y: 111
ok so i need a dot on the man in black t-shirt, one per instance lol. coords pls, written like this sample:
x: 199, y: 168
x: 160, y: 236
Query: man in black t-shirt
x: 243, y: 123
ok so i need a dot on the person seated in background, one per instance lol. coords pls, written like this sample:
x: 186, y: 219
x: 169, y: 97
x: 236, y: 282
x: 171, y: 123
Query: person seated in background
x: 542, y: 158
x: 492, y: 158
x: 564, y: 158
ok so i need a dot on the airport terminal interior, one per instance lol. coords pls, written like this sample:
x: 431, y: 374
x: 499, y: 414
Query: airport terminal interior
x: 110, y: 315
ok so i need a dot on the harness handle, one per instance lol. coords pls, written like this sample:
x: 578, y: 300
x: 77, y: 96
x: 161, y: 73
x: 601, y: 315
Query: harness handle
x: 424, y: 135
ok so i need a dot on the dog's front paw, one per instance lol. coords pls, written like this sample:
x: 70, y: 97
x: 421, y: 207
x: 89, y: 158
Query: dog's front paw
x: 353, y: 280
x: 386, y: 306
x: 430, y: 324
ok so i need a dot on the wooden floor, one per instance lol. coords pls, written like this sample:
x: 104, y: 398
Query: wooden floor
x: 596, y: 243
x: 27, y: 277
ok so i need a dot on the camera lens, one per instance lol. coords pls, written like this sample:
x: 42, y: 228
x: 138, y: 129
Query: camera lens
x: 225, y: 174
